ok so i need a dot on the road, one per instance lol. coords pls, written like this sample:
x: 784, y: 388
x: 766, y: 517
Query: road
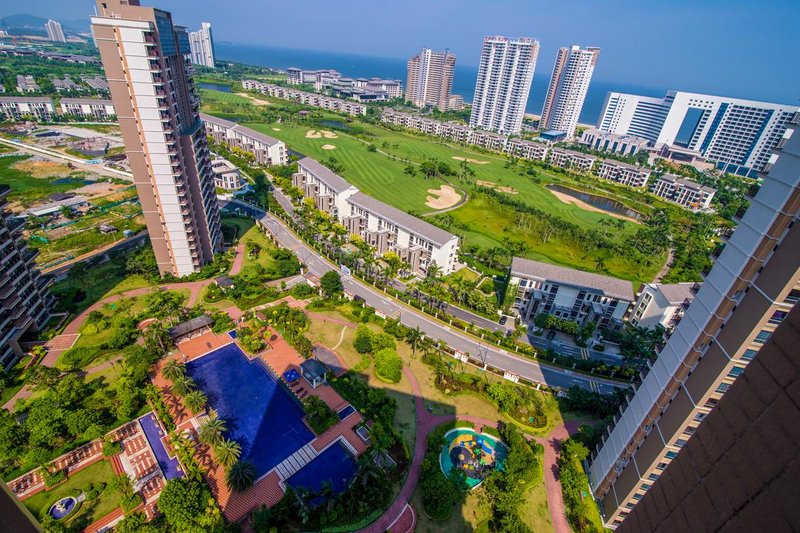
x: 78, y: 163
x: 482, y: 351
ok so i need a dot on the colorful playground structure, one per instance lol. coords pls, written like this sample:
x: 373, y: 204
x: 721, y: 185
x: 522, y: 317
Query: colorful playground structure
x: 476, y: 454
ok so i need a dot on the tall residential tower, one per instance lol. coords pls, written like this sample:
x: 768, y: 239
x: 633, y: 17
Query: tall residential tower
x: 146, y: 62
x: 201, y: 43
x: 503, y: 84
x: 568, y: 86
x: 430, y: 79
x: 54, y: 31
x: 748, y: 293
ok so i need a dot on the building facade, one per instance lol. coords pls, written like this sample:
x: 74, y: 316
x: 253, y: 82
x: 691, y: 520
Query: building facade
x: 571, y: 160
x: 625, y: 145
x: 504, y: 83
x: 684, y: 192
x: 749, y: 292
x: 147, y: 66
x: 92, y: 108
x: 266, y: 150
x: 226, y: 175
x: 54, y: 31
x: 27, y: 84
x: 623, y: 173
x: 382, y: 226
x: 22, y: 107
x: 430, y: 79
x: 574, y: 295
x: 201, y: 44
x: 25, y: 302
x: 303, y: 97
x: 662, y: 304
x: 738, y: 135
x: 569, y: 83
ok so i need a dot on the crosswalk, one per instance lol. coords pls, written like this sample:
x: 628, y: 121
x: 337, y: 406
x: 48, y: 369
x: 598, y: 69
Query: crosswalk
x: 584, y: 353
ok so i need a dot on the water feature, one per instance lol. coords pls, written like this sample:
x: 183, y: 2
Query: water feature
x: 335, y: 124
x: 62, y: 507
x: 214, y: 86
x: 600, y: 202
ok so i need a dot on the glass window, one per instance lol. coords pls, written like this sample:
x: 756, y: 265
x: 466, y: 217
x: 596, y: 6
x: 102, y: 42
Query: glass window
x: 638, y: 497
x: 748, y: 355
x: 653, y: 476
x: 778, y: 317
x: 680, y: 443
x: 762, y: 337
x: 671, y: 455
x: 723, y: 388
x: 735, y: 372
x: 646, y: 486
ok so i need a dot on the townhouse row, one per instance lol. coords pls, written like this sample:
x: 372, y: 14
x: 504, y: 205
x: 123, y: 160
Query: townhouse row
x: 266, y: 150
x: 43, y: 108
x: 382, y: 226
x: 306, y: 98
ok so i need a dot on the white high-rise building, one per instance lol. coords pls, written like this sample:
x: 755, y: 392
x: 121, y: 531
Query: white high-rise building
x: 201, y: 43
x: 739, y: 135
x: 430, y: 78
x: 54, y: 31
x: 572, y: 73
x: 504, y: 82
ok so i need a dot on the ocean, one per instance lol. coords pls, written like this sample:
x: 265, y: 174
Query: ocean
x: 354, y: 65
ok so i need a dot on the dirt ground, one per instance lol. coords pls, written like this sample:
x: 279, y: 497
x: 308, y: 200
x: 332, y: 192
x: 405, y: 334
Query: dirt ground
x: 443, y: 197
x: 254, y: 100
x: 473, y: 161
x: 39, y: 168
x: 97, y: 190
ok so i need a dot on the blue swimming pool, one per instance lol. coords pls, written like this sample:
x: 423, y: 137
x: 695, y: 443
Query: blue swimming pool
x: 152, y: 431
x: 334, y: 464
x: 346, y: 411
x: 260, y: 414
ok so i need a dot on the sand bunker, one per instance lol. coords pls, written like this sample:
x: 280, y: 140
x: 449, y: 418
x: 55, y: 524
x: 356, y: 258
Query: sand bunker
x: 42, y: 169
x: 443, y: 197
x: 317, y: 134
x: 276, y: 129
x: 567, y: 199
x: 473, y: 161
x: 253, y: 99
x: 493, y: 185
x: 328, y: 147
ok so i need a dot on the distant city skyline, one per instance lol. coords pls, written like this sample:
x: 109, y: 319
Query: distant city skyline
x: 661, y: 45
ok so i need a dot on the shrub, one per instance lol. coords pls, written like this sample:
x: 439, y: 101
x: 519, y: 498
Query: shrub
x: 318, y: 415
x: 388, y: 365
x: 363, y: 340
x: 111, y: 448
x: 80, y: 356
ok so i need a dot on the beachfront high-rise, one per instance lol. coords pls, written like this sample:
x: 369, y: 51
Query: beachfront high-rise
x: 738, y: 135
x: 430, y: 79
x: 748, y: 293
x: 54, y: 31
x: 569, y: 83
x: 147, y: 65
x: 201, y: 43
x: 504, y: 82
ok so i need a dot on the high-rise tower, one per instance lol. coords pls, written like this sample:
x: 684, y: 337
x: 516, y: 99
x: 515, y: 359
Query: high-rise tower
x: 150, y: 78
x: 572, y: 73
x: 201, y: 43
x: 54, y: 31
x: 503, y: 84
x: 430, y: 78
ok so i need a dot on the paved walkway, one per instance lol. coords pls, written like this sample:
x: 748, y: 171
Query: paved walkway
x: 238, y: 261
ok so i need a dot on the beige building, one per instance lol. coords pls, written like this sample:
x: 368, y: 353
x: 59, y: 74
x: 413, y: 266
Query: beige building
x: 684, y: 192
x: 91, y: 108
x: 24, y: 107
x: 430, y: 79
x: 226, y: 175
x: 623, y: 173
x: 571, y: 160
x: 569, y: 83
x: 749, y: 292
x: 146, y: 61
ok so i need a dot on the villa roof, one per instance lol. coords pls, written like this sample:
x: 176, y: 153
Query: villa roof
x: 324, y: 174
x: 613, y: 287
x: 191, y: 325
x: 676, y: 293
x: 401, y: 218
x: 89, y: 101
x: 26, y: 99
x: 622, y: 164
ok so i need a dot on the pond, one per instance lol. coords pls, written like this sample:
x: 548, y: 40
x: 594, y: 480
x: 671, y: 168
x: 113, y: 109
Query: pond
x: 600, y: 202
x: 214, y: 86
x: 475, y: 454
x: 62, y: 507
x: 334, y: 124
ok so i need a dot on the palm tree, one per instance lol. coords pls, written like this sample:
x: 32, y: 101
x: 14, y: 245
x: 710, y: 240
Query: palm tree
x: 173, y: 369
x: 195, y: 401
x: 227, y: 452
x: 182, y: 385
x: 413, y: 336
x: 241, y: 476
x: 211, y: 431
x: 600, y: 264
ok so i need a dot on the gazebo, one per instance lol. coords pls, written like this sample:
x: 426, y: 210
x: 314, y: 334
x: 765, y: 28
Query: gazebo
x: 191, y: 328
x: 315, y: 372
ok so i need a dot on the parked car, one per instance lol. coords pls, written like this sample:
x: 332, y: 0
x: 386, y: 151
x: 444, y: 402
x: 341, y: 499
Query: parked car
x: 503, y: 320
x: 551, y: 335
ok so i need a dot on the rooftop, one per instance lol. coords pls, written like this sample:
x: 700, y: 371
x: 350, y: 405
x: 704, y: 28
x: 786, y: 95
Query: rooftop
x: 191, y: 325
x: 99, y: 101
x: 401, y: 218
x: 324, y: 174
x: 616, y: 288
x: 36, y: 99
x: 622, y: 164
x: 675, y: 293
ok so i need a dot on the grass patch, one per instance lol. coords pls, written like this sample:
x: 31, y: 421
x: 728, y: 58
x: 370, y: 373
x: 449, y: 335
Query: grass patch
x: 27, y: 188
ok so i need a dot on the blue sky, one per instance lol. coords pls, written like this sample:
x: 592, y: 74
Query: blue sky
x: 734, y: 47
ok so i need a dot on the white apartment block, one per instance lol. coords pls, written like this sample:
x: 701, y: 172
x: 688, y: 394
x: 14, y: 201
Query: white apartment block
x: 382, y: 226
x: 456, y: 102
x: 27, y: 84
x: 226, y: 175
x: 574, y: 295
x: 571, y: 160
x: 306, y: 98
x: 623, y: 173
x: 93, y: 108
x: 738, y: 135
x: 602, y: 141
x: 266, y: 150
x: 503, y: 85
x: 529, y: 150
x: 430, y: 79
x: 23, y: 107
x: 569, y: 84
x: 54, y: 31
x: 662, y: 304
x: 201, y: 44
x: 684, y: 192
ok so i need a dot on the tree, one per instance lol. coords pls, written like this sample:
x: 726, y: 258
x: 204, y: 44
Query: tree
x: 227, y: 452
x: 388, y: 365
x: 157, y: 338
x: 182, y: 385
x: 413, y: 337
x: 241, y: 476
x: 211, y: 432
x: 331, y: 284
x: 173, y: 369
x: 189, y: 507
x: 44, y: 378
x: 195, y: 401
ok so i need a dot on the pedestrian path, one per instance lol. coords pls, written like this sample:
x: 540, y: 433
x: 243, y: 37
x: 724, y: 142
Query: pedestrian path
x: 296, y: 461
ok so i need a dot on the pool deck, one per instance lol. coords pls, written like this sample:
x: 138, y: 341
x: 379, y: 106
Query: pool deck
x: 270, y: 488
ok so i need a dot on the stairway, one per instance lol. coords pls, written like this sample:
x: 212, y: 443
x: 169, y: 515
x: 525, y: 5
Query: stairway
x: 296, y: 461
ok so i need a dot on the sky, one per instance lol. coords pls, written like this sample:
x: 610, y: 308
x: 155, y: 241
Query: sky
x: 737, y: 48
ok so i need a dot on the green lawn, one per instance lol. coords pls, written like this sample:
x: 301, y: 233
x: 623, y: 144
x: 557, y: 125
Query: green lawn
x: 26, y: 188
x: 210, y: 96
x: 256, y: 237
x: 84, y: 287
x: 100, y: 472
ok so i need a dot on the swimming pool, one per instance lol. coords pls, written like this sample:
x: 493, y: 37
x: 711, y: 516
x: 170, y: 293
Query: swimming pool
x: 260, y: 414
x: 476, y: 454
x: 335, y: 464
